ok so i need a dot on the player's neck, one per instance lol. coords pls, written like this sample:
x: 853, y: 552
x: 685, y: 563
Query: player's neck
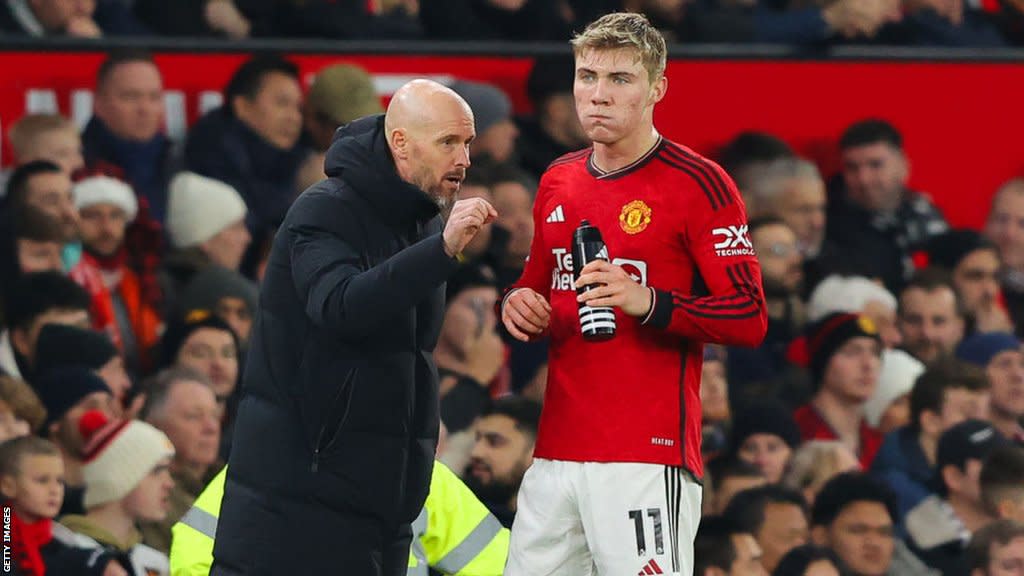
x: 612, y: 157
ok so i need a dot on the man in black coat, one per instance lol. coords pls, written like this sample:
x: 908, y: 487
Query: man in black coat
x: 338, y: 423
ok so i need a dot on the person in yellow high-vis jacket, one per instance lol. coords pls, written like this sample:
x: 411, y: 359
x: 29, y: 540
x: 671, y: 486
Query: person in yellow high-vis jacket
x: 454, y: 533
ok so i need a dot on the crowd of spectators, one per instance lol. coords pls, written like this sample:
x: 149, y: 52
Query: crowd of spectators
x: 803, y: 22
x: 877, y: 430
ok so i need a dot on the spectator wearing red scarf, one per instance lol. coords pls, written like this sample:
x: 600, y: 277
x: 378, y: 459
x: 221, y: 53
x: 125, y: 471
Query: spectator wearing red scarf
x: 108, y: 207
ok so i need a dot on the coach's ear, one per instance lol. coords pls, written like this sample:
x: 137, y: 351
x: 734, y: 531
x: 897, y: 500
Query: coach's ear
x: 399, y: 141
x: 713, y: 571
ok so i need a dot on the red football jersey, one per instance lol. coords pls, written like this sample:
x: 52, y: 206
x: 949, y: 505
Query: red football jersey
x: 676, y: 223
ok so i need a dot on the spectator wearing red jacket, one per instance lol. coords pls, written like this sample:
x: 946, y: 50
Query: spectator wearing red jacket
x: 845, y: 353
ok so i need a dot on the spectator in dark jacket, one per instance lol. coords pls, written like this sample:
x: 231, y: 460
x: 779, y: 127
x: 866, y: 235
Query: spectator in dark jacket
x: 126, y: 129
x: 341, y: 392
x: 871, y: 210
x: 252, y: 141
x: 942, y: 397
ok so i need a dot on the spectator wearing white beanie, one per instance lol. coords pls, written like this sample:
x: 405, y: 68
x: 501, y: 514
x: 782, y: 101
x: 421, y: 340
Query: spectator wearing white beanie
x: 127, y: 481
x: 105, y: 190
x: 209, y: 215
x: 889, y: 407
x: 856, y: 295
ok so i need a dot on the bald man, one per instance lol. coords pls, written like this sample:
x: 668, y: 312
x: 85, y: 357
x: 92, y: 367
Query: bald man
x: 336, y: 431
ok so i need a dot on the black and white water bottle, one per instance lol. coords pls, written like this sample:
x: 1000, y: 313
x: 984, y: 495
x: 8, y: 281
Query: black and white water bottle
x: 596, y: 324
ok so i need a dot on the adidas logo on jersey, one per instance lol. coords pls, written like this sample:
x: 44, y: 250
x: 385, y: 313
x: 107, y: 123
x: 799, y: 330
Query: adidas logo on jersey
x: 650, y: 568
x: 556, y: 215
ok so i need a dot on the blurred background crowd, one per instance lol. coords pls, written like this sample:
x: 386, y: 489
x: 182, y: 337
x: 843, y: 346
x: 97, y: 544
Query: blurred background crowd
x: 907, y: 22
x: 878, y: 429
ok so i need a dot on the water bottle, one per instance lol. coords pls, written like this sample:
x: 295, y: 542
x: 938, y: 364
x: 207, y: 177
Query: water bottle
x: 596, y: 324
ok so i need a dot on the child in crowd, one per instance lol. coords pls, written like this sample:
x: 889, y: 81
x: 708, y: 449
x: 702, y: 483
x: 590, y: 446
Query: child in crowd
x: 32, y: 483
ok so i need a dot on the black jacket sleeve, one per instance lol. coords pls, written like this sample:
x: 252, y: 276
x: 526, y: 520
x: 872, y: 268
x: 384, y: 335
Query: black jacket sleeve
x: 336, y: 292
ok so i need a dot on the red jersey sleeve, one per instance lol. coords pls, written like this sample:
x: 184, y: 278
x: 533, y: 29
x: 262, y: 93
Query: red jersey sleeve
x: 726, y: 304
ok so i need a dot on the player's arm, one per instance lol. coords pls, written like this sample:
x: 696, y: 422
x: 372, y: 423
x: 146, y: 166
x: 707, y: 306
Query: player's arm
x: 525, y: 309
x: 731, y: 310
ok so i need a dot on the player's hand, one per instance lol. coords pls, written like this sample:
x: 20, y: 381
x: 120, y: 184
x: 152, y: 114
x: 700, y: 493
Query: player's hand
x: 614, y: 288
x: 525, y: 314
x: 466, y: 219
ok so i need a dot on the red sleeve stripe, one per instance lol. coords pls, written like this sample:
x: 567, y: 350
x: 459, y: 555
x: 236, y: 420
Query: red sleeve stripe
x: 707, y: 170
x: 692, y: 174
x: 708, y: 166
x: 747, y: 277
x: 570, y: 157
x: 740, y: 303
x: 724, y: 315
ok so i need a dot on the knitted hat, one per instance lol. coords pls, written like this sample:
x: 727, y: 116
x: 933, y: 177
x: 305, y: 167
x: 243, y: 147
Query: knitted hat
x: 344, y: 92
x: 846, y: 294
x: 105, y: 190
x: 829, y: 334
x: 899, y: 373
x: 212, y: 284
x: 199, y: 207
x: 948, y: 249
x: 489, y: 104
x: 61, y: 388
x: 61, y: 345
x: 178, y: 332
x: 765, y: 417
x: 979, y: 349
x: 118, y: 455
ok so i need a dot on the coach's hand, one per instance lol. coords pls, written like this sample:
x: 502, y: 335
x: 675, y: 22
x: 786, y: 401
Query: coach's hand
x: 525, y: 313
x: 466, y: 219
x: 615, y: 288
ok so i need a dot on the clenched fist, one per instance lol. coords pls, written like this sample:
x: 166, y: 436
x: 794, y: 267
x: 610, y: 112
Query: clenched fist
x: 466, y: 219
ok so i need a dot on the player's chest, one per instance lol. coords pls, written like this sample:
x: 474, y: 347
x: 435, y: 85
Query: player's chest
x: 639, y: 225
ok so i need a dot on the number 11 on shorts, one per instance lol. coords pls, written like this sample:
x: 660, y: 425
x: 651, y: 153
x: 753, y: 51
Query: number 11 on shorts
x: 637, y: 516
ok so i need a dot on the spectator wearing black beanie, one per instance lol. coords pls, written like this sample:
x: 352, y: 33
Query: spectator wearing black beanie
x: 61, y: 346
x: 68, y: 393
x: 765, y: 435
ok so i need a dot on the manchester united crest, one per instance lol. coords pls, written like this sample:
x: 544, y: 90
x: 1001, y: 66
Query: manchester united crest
x: 635, y: 217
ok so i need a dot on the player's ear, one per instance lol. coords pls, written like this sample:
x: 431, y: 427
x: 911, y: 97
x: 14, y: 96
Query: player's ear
x: 658, y: 89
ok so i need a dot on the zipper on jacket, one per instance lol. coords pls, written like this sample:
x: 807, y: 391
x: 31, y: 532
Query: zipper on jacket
x: 323, y: 427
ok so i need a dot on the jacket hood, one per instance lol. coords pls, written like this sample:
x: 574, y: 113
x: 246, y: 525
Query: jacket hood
x: 360, y: 156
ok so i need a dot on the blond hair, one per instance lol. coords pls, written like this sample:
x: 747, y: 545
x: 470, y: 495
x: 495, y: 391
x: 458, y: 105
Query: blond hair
x: 627, y: 30
x: 25, y: 131
x: 813, y: 464
x: 22, y: 400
